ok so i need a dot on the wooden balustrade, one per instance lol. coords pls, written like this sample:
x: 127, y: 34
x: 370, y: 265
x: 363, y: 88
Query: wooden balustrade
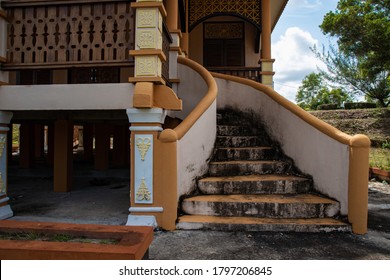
x: 60, y: 34
x: 252, y: 73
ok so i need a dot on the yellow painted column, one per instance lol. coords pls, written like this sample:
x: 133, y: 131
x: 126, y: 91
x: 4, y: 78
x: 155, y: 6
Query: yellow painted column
x: 184, y: 44
x: 88, y: 141
x: 148, y: 53
x: 121, y: 142
x: 27, y: 145
x: 63, y: 155
x: 39, y: 151
x: 5, y: 209
x: 266, y: 60
x: 172, y: 7
x: 358, y: 183
x: 102, y: 146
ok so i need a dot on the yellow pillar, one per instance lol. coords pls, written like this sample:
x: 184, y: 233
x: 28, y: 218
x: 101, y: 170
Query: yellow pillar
x: 148, y: 53
x: 88, y: 141
x: 63, y: 155
x: 266, y: 60
x: 266, y: 29
x: 27, y: 145
x: 102, y: 146
x: 5, y: 209
x: 358, y: 183
x: 121, y: 142
x: 172, y: 7
x: 184, y: 43
x: 39, y: 141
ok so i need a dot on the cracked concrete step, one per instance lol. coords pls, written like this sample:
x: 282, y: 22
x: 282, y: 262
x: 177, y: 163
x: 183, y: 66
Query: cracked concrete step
x: 237, y: 130
x: 255, y: 184
x: 196, y: 222
x: 241, y: 141
x: 262, y: 206
x: 246, y: 167
x: 246, y: 153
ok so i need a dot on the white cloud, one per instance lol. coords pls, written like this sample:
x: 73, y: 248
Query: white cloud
x: 306, y: 4
x: 293, y: 60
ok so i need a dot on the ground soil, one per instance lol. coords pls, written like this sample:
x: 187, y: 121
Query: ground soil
x: 375, y: 123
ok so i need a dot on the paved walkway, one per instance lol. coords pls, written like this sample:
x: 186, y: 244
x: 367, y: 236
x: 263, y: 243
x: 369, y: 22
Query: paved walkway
x: 103, y: 198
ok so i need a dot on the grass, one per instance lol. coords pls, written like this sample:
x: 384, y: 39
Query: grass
x: 380, y: 158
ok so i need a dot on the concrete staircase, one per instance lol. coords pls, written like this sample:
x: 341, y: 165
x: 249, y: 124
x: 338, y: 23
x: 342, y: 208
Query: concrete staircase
x: 252, y: 186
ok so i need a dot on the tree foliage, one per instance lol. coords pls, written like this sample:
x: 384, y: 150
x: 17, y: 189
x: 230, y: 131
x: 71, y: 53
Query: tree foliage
x: 362, y: 29
x: 361, y: 62
x: 314, y: 92
x: 351, y: 76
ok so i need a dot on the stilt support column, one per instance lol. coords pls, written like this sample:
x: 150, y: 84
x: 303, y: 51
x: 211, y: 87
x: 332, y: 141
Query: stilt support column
x: 63, y: 155
x: 5, y: 209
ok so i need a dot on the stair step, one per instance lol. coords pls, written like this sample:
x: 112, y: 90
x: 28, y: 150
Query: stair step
x: 255, y: 184
x: 245, y: 167
x: 241, y: 141
x: 237, y: 130
x: 246, y: 153
x: 196, y: 222
x: 262, y: 206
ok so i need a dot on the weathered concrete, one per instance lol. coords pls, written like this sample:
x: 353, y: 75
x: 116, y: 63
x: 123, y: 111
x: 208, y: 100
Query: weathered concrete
x: 248, y: 153
x: 232, y: 168
x: 262, y: 206
x: 254, y: 184
x: 251, y: 224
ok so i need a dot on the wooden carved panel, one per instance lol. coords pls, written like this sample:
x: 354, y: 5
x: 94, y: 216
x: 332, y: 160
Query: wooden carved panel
x: 89, y: 32
x: 201, y: 9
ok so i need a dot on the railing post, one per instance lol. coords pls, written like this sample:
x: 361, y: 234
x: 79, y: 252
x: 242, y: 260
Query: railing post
x: 5, y: 209
x: 358, y: 183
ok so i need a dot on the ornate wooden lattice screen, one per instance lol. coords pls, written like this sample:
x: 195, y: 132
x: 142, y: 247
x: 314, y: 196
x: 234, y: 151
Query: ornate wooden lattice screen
x: 200, y: 9
x: 59, y: 35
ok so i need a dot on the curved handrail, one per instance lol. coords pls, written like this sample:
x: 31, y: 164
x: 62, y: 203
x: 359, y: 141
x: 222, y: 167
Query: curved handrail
x: 356, y: 140
x: 171, y: 135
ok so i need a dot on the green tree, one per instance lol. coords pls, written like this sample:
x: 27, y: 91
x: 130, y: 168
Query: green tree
x: 349, y: 73
x: 362, y: 29
x: 314, y: 92
x: 361, y: 62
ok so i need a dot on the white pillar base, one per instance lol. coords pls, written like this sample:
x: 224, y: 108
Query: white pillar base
x: 6, y: 212
x: 138, y: 220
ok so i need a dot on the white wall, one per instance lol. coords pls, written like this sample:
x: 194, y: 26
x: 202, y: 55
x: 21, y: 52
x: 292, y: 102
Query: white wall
x: 191, y: 90
x: 314, y: 153
x: 197, y: 145
x: 67, y: 97
x: 195, y: 150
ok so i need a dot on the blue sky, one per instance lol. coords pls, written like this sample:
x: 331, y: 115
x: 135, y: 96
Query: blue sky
x: 297, y: 31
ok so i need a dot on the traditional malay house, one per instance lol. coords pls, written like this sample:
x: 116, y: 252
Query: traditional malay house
x: 211, y: 145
